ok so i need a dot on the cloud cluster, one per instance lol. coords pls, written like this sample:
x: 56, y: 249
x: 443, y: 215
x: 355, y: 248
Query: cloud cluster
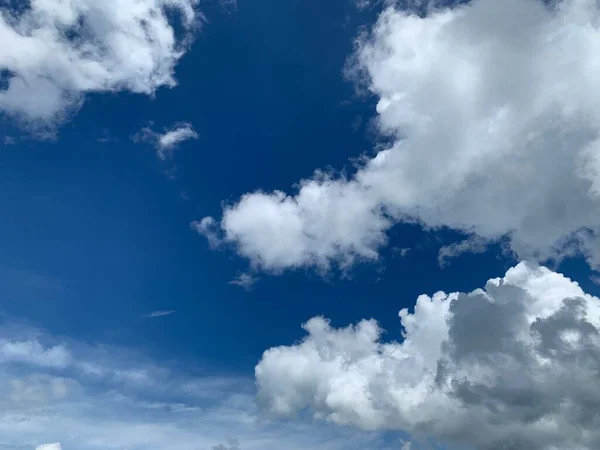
x: 512, y: 366
x: 54, y: 52
x: 108, y: 398
x: 493, y: 116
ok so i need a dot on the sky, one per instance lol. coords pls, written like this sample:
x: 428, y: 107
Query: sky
x: 254, y: 225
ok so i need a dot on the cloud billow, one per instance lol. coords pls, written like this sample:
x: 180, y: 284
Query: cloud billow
x: 494, y: 120
x: 55, y: 52
x: 513, y: 366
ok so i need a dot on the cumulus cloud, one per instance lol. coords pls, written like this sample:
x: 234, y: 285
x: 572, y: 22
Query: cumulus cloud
x: 493, y: 116
x: 167, y: 141
x: 514, y: 365
x: 55, y: 52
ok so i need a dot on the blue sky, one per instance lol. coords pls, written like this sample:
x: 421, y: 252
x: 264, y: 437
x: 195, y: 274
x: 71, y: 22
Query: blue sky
x: 268, y: 112
x: 117, y: 310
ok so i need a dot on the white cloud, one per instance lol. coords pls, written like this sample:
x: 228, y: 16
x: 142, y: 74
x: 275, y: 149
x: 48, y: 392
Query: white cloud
x: 473, y: 244
x: 513, y: 366
x: 55, y: 446
x: 362, y: 4
x: 494, y: 120
x: 159, y: 313
x: 167, y: 141
x: 234, y: 444
x: 244, y: 280
x: 54, y: 52
x: 229, y: 5
x: 173, y: 137
x: 109, y: 398
x: 209, y: 228
x: 32, y: 352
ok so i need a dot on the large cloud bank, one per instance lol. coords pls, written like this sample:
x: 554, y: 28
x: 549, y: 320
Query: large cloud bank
x: 493, y: 113
x: 55, y: 51
x: 511, y: 366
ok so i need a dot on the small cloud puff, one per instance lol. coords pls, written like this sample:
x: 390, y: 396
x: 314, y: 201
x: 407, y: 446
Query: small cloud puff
x: 167, y: 141
x: 55, y: 446
x: 245, y: 281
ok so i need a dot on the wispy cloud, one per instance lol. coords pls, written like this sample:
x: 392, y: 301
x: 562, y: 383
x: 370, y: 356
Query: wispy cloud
x: 403, y: 252
x: 229, y: 5
x: 473, y: 244
x: 244, y: 280
x: 112, y: 398
x: 233, y: 444
x: 159, y: 313
x: 168, y: 140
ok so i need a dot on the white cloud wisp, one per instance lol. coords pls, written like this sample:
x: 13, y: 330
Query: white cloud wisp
x: 167, y: 141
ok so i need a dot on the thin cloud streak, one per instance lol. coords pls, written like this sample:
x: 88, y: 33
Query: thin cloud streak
x: 159, y: 313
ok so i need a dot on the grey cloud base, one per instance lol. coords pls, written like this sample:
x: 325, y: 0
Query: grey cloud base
x: 515, y: 365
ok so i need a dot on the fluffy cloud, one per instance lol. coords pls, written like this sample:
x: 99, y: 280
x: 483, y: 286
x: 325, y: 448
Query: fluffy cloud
x: 513, y: 366
x: 493, y: 116
x: 54, y: 52
x: 108, y: 398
